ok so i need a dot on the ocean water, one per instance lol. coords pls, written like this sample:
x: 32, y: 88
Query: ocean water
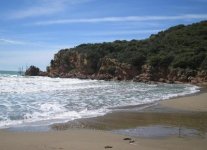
x: 44, y: 100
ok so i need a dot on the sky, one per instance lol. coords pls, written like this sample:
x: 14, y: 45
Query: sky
x: 32, y: 31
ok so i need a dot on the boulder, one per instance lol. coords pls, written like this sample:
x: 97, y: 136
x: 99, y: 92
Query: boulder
x: 32, y: 71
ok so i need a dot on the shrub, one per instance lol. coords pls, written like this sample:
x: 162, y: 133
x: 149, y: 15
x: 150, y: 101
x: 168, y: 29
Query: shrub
x: 204, y: 64
x: 111, y: 70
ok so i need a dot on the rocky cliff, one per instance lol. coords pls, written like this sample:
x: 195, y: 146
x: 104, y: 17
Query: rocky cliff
x: 178, y: 54
x: 35, y: 71
x: 111, y: 69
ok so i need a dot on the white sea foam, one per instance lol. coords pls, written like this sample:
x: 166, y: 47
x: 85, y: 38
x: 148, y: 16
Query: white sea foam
x: 46, y: 100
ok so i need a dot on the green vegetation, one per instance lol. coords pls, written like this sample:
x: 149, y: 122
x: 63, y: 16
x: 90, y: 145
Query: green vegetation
x: 181, y: 46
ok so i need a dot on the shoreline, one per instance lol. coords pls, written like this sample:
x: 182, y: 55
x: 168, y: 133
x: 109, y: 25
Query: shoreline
x: 98, y: 132
x: 159, y: 106
x: 128, y: 108
x: 193, y: 102
x: 40, y: 123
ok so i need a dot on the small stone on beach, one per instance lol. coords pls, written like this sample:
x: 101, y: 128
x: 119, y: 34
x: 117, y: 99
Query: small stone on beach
x: 127, y: 139
x: 106, y: 147
x: 131, y: 141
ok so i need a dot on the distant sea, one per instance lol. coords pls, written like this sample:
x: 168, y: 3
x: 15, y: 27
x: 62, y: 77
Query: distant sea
x: 9, y: 72
x: 42, y: 100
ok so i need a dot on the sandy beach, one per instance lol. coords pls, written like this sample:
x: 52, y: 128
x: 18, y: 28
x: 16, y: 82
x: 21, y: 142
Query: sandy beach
x: 92, y: 140
x: 88, y: 139
x: 190, y: 103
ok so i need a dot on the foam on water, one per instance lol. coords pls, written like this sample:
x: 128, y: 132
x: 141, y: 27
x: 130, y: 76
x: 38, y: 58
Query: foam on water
x: 46, y: 100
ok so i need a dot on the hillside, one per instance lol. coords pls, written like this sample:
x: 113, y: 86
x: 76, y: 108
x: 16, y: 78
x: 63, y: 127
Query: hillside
x: 177, y: 54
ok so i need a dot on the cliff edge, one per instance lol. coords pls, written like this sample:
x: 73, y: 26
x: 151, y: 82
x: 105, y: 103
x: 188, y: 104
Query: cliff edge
x: 178, y: 54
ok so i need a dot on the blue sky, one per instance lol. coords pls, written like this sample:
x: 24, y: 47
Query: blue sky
x: 32, y: 31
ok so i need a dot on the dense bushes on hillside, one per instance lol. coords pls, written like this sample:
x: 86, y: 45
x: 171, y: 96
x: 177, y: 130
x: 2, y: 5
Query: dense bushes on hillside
x: 178, y: 48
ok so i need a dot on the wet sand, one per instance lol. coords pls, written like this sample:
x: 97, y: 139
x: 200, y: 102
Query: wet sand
x: 163, y: 113
x: 124, y: 120
x: 186, y: 113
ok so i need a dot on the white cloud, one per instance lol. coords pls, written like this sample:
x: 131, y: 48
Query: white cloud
x: 11, y: 42
x: 122, y: 19
x: 121, y: 32
x: 44, y: 7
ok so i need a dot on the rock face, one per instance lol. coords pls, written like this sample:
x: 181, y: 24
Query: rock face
x: 171, y: 75
x: 70, y: 65
x: 80, y: 66
x: 112, y: 69
x: 32, y: 71
x: 177, y: 55
x: 35, y: 71
x: 83, y: 67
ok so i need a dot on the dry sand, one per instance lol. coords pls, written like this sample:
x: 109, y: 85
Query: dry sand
x: 91, y: 140
x: 190, y: 103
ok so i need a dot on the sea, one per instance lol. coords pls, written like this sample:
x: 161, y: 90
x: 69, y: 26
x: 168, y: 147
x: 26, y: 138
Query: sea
x: 38, y: 101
